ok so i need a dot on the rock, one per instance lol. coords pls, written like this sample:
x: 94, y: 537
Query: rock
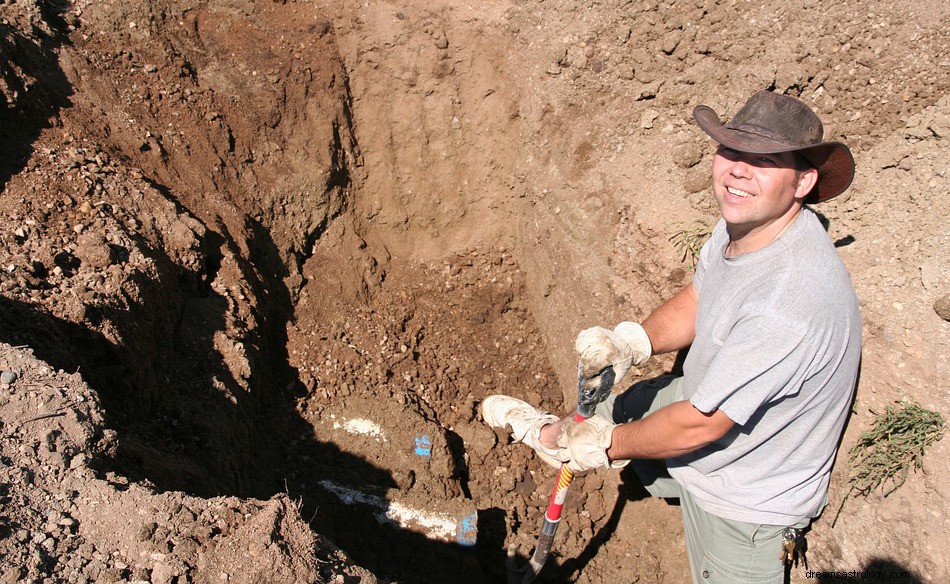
x: 697, y: 180
x: 623, y: 33
x: 93, y: 250
x: 688, y: 155
x: 942, y: 307
x: 166, y: 572
x: 647, y: 119
x: 8, y: 377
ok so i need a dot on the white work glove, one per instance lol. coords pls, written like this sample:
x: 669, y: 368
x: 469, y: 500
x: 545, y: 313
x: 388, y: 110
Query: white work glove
x: 583, y: 445
x: 625, y: 346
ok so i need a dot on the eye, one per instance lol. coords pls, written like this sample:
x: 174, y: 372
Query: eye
x: 767, y: 161
x: 727, y: 152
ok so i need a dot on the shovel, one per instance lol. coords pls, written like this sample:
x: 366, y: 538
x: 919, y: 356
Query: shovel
x: 587, y: 401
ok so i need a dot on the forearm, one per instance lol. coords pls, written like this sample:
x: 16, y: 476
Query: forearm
x: 677, y: 429
x: 672, y: 326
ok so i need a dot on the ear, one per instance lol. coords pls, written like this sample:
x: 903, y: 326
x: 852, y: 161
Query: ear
x: 807, y: 179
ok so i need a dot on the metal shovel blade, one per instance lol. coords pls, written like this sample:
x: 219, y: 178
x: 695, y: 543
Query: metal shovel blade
x: 519, y: 574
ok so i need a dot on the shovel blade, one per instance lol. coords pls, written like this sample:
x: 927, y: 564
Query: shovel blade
x: 518, y: 574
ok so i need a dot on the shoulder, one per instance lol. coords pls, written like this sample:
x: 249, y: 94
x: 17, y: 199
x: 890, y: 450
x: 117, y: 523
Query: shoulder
x: 811, y: 278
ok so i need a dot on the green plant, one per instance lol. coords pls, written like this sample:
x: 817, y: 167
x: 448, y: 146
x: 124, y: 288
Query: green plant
x: 689, y: 241
x: 884, y: 455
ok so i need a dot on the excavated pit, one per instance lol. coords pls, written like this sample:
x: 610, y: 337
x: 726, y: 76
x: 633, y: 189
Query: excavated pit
x: 285, y: 318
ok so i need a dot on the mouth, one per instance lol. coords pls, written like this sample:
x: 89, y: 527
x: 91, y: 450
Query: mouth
x: 739, y: 192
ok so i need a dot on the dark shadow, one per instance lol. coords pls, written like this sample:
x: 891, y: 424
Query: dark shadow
x: 879, y: 570
x: 38, y: 88
x: 492, y: 530
x: 677, y: 368
x: 826, y: 223
x: 390, y: 551
x: 457, y: 447
x: 844, y: 241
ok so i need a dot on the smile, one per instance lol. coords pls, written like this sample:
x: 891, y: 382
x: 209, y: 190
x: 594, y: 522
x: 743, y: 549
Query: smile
x: 738, y: 193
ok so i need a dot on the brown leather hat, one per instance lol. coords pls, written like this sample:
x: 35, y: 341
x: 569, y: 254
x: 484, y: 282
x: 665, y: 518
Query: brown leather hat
x: 770, y: 123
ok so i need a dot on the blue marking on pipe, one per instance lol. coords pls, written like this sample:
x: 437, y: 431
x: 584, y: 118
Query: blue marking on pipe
x: 423, y: 446
x: 467, y: 530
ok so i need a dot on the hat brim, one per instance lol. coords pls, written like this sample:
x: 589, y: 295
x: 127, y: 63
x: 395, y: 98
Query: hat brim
x: 833, y: 160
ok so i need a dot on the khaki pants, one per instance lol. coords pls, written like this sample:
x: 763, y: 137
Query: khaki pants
x: 721, y: 551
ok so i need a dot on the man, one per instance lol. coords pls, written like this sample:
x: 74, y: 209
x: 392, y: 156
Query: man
x: 747, y: 436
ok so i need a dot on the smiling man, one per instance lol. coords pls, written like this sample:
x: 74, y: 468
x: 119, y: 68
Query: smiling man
x: 746, y: 438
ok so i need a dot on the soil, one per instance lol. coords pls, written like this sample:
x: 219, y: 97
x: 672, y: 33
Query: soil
x: 261, y: 261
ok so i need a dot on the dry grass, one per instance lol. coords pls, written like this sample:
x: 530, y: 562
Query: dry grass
x: 884, y: 455
x: 689, y: 241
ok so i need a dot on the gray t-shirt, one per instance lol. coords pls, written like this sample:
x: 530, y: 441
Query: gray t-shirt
x: 777, y: 348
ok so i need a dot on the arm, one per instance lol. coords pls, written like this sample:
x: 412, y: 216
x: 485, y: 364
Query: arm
x: 677, y: 429
x: 672, y: 326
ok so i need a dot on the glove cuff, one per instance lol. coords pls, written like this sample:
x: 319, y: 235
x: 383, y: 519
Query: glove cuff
x: 638, y: 339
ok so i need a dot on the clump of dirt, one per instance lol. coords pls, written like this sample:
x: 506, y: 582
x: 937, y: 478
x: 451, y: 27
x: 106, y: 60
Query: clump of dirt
x: 261, y: 262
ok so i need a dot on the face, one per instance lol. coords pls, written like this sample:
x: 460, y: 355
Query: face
x: 759, y: 194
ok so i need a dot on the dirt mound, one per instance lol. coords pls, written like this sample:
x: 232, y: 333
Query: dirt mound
x: 261, y: 262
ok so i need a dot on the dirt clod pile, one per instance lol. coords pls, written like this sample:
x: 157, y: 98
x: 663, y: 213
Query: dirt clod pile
x: 261, y: 261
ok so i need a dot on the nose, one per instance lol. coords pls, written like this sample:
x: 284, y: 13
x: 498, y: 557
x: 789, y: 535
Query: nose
x: 740, y: 169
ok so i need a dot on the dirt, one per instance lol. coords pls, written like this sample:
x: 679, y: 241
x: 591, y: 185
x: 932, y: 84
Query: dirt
x: 261, y: 261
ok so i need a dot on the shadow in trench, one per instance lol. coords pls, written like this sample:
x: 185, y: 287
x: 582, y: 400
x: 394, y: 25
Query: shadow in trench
x: 393, y: 553
x: 183, y: 422
x: 38, y: 88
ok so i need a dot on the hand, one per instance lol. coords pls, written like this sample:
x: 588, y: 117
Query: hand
x: 598, y: 348
x: 583, y: 445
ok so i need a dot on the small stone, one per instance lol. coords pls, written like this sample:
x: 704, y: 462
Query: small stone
x: 687, y: 155
x: 697, y: 180
x: 8, y: 377
x: 647, y: 119
x: 94, y: 251
x: 942, y: 307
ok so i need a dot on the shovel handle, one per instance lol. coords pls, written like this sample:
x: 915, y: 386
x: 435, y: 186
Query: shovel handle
x: 552, y: 518
x: 587, y: 400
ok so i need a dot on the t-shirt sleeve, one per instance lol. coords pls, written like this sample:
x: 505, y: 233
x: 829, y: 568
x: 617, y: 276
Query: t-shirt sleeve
x: 762, y: 359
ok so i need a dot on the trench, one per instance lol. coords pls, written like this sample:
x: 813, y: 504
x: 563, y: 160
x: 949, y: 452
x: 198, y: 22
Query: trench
x: 322, y: 313
x: 309, y: 359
